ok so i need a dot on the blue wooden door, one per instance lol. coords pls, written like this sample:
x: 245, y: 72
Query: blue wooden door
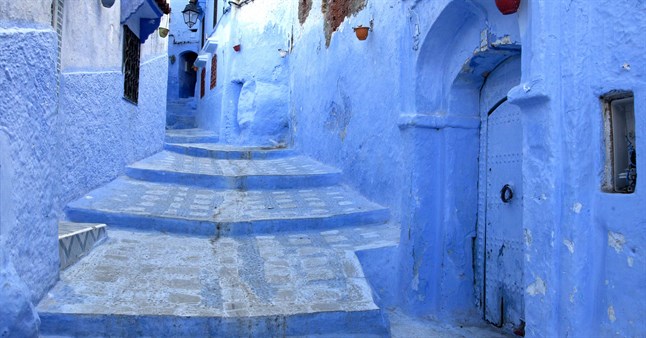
x: 503, y: 266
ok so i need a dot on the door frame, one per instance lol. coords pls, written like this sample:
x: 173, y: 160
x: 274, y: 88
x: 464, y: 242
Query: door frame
x: 481, y: 228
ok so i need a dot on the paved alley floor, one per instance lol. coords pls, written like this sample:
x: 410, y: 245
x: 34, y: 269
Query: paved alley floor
x: 152, y: 273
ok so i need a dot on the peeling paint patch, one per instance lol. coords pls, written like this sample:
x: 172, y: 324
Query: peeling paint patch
x: 630, y: 261
x: 304, y: 7
x: 538, y: 287
x: 414, y: 284
x: 528, y: 237
x: 335, y: 11
x: 611, y: 313
x: 616, y: 241
x: 577, y: 207
x: 569, y: 244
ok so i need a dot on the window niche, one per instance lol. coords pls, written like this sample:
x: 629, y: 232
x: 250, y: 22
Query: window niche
x: 620, y: 170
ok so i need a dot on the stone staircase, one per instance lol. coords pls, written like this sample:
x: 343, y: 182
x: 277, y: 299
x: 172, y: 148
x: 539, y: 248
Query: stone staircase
x: 216, y: 240
x: 180, y: 114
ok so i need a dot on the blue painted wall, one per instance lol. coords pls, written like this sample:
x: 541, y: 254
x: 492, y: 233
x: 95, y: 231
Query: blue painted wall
x: 28, y: 228
x: 61, y: 139
x: 399, y: 114
x: 100, y: 133
x: 249, y: 105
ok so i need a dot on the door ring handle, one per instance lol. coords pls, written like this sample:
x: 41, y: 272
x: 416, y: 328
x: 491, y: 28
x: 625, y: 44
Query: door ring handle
x: 506, y: 194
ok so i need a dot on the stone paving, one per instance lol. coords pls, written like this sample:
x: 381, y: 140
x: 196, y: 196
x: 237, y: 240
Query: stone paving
x: 226, y: 151
x: 280, y: 256
x: 156, y: 273
x: 190, y: 135
x: 151, y: 273
x: 156, y: 201
x: 294, y: 165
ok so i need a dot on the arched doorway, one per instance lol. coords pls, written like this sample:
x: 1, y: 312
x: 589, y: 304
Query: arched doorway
x: 187, y: 76
x: 445, y: 240
x: 502, y: 198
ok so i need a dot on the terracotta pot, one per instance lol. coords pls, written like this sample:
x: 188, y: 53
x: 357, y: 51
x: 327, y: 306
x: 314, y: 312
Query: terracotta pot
x: 163, y: 32
x: 507, y: 7
x: 236, y: 48
x: 361, y: 32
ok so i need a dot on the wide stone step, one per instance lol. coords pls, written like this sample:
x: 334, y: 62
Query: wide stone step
x: 192, y: 135
x: 284, y: 173
x: 212, y: 212
x: 154, y: 284
x: 76, y: 240
x: 180, y: 122
x: 229, y: 152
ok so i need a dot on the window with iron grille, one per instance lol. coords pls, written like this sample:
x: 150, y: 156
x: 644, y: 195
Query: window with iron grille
x: 202, y: 82
x: 214, y: 71
x: 131, y: 55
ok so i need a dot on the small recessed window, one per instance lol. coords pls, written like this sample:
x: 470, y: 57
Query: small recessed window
x: 621, y: 151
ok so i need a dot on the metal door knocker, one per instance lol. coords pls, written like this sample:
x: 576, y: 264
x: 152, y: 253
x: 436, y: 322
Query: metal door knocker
x: 506, y: 194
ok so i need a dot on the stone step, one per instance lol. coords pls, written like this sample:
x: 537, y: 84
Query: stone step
x: 283, y: 173
x: 191, y: 135
x: 229, y: 152
x: 155, y: 284
x: 176, y: 122
x: 212, y: 212
x: 76, y: 240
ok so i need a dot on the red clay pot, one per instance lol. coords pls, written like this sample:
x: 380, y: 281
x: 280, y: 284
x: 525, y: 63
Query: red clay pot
x: 236, y: 48
x: 507, y: 7
x: 361, y: 32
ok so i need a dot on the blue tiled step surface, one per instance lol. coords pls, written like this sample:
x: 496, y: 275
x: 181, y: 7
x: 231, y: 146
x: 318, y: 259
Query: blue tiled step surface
x: 281, y: 173
x: 212, y: 212
x: 229, y: 152
x: 154, y: 284
x: 192, y: 135
x: 76, y: 240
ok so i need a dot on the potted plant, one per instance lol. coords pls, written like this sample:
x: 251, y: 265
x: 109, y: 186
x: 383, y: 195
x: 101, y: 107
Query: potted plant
x: 361, y: 32
x: 507, y: 7
x: 163, y: 32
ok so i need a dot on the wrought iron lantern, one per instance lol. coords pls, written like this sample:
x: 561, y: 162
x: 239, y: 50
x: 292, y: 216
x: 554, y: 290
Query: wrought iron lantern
x: 192, y: 12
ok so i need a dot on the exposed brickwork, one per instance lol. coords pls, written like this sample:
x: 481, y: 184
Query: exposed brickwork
x: 304, y: 8
x: 335, y: 11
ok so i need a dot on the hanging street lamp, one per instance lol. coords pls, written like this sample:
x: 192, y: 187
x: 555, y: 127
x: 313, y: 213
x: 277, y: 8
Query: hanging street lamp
x: 192, y: 12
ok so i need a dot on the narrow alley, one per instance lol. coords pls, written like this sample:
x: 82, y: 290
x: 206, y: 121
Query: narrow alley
x: 322, y: 168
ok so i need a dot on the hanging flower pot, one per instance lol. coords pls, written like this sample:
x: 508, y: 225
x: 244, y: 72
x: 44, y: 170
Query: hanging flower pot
x: 507, y: 7
x: 163, y: 32
x: 236, y: 48
x: 361, y: 32
x: 107, y: 3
